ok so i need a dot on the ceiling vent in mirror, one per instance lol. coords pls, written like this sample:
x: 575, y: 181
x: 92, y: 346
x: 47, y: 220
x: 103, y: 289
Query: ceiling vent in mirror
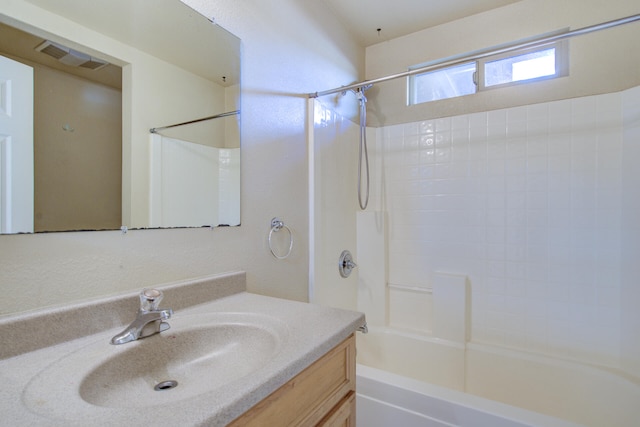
x: 69, y: 56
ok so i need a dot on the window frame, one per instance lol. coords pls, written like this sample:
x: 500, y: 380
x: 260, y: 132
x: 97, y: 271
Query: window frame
x: 411, y: 95
x: 561, y: 62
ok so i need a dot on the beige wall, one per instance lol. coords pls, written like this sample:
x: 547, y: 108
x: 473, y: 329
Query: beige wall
x: 232, y: 124
x: 289, y: 47
x: 78, y: 172
x: 599, y: 63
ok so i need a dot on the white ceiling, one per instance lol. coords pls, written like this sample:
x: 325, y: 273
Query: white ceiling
x: 397, y: 18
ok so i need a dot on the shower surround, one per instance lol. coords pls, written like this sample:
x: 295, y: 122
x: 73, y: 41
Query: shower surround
x: 525, y: 202
x: 527, y: 210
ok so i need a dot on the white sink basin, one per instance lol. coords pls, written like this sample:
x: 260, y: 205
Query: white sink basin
x: 199, y: 354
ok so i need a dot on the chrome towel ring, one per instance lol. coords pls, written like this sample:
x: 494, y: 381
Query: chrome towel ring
x: 276, y: 225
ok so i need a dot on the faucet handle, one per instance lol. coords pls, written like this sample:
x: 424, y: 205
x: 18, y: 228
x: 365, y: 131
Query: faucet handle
x: 150, y: 299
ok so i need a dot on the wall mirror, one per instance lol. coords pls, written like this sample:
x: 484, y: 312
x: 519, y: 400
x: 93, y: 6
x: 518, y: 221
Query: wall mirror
x: 98, y: 148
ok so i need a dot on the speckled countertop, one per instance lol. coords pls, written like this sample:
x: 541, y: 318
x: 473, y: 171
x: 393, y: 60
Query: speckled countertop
x: 58, y: 338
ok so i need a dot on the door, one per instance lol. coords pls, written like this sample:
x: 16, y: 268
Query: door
x: 16, y: 147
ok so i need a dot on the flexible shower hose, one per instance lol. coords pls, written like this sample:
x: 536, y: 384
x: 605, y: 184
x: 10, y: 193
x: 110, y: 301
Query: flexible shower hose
x: 362, y: 152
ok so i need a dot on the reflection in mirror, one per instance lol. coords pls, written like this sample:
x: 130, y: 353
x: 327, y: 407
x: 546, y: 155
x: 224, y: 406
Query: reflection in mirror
x: 102, y: 76
x: 77, y: 136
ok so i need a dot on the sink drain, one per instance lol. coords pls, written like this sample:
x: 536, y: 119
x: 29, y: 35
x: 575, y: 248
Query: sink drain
x: 166, y: 385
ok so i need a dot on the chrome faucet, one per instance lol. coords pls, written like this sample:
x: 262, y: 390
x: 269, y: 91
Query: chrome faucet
x: 150, y: 319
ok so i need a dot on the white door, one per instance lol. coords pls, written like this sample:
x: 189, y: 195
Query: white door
x: 16, y: 147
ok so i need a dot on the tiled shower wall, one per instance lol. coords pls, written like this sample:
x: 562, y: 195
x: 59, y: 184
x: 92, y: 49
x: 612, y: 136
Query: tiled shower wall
x: 527, y: 202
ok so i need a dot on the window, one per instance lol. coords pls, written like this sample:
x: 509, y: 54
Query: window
x: 516, y: 67
x: 445, y: 83
x: 526, y: 65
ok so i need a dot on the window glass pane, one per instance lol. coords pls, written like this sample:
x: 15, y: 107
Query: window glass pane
x: 521, y: 67
x: 441, y: 84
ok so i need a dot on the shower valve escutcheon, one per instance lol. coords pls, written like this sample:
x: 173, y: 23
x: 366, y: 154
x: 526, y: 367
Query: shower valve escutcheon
x: 346, y: 264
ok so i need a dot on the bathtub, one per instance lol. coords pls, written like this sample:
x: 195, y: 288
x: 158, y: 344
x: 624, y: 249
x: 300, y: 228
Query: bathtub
x: 411, y: 380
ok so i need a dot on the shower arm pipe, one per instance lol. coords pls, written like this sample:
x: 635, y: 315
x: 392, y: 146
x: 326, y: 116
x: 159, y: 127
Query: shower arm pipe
x: 483, y: 54
x: 217, y: 116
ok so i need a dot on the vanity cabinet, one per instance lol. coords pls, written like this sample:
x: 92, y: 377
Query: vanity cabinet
x: 321, y: 395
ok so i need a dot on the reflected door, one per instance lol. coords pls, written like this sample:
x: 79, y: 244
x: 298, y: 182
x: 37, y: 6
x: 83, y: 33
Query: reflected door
x: 16, y: 147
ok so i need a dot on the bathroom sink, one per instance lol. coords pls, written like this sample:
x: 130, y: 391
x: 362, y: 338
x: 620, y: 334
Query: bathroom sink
x: 163, y: 366
x: 200, y: 353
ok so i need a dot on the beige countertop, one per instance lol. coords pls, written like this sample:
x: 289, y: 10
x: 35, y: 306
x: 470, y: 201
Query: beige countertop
x: 306, y: 333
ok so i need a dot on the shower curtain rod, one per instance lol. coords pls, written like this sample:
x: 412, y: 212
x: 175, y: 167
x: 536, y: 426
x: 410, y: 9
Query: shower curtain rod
x: 483, y: 53
x: 217, y: 116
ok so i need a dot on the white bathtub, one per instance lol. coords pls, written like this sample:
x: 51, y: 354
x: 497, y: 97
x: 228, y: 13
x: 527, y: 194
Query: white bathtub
x: 389, y: 400
x: 414, y: 381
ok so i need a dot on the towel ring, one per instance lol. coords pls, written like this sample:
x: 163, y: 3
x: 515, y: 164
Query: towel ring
x: 276, y: 225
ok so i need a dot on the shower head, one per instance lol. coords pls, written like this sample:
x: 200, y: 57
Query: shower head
x: 359, y: 89
x: 360, y: 92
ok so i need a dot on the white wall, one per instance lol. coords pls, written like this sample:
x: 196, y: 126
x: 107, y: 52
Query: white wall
x: 630, y: 250
x: 289, y: 48
x: 602, y: 62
